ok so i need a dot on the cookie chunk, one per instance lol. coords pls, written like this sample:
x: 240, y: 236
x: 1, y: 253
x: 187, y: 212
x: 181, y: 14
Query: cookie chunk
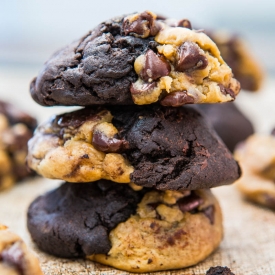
x: 228, y: 121
x: 162, y: 147
x: 170, y: 230
x: 15, y: 257
x: 257, y: 159
x: 219, y: 270
x: 75, y: 220
x: 16, y: 128
x: 136, y: 59
x: 238, y: 56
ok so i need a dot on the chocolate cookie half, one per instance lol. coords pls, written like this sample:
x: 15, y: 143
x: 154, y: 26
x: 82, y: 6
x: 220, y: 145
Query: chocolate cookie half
x: 75, y: 220
x: 141, y: 231
x: 228, y: 121
x: 136, y: 59
x: 15, y: 257
x: 16, y: 128
x: 162, y: 147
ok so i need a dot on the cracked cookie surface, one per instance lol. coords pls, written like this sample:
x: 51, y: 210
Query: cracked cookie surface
x: 256, y: 157
x: 136, y: 59
x: 15, y: 257
x: 75, y: 220
x: 228, y: 121
x: 16, y: 128
x: 169, y: 230
x: 161, y: 147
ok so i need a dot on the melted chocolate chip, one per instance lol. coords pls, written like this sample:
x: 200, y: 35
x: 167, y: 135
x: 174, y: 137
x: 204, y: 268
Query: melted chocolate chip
x: 143, y: 26
x: 75, y: 119
x: 147, y: 87
x: 189, y: 203
x: 177, y: 99
x: 14, y: 256
x: 155, y: 67
x: 109, y: 145
x: 189, y: 57
x: 209, y: 212
x: 227, y: 91
x: 185, y: 24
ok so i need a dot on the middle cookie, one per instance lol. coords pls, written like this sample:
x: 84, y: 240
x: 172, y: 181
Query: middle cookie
x: 162, y: 147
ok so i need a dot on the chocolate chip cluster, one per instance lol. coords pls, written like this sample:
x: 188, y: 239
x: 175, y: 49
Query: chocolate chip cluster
x: 182, y: 63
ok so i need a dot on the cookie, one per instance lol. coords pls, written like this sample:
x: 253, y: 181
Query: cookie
x: 240, y: 59
x: 15, y: 257
x: 257, y: 159
x: 161, y: 147
x: 16, y: 128
x: 75, y: 220
x: 228, y: 121
x: 136, y: 59
x: 141, y: 231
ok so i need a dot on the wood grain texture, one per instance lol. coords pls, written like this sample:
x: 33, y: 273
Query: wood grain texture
x: 248, y: 246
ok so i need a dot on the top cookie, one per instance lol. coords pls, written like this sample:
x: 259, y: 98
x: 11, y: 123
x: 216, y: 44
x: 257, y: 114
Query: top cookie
x: 137, y: 59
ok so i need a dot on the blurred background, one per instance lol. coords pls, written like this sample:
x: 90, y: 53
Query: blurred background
x: 31, y: 30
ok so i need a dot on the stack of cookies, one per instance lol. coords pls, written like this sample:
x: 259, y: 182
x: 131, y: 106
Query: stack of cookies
x: 138, y: 166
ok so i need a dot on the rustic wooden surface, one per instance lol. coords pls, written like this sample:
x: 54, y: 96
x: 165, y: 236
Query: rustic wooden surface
x: 249, y: 241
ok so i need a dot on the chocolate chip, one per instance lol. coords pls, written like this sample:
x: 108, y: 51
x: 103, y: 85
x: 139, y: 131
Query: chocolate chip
x: 189, y: 203
x: 226, y: 91
x: 141, y: 25
x: 155, y: 67
x: 149, y: 261
x: 147, y: 87
x: 109, y: 145
x: 209, y: 212
x: 75, y: 119
x: 185, y: 24
x: 176, y: 99
x: 14, y: 256
x: 189, y: 57
x: 219, y: 270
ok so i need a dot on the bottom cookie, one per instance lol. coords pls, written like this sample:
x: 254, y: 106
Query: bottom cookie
x: 137, y: 231
x: 15, y: 258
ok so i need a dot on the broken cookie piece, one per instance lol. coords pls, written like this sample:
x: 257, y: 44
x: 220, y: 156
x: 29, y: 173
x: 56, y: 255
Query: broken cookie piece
x: 16, y: 128
x: 15, y: 257
x: 256, y: 157
x: 219, y: 270
x: 159, y: 147
x: 137, y: 59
